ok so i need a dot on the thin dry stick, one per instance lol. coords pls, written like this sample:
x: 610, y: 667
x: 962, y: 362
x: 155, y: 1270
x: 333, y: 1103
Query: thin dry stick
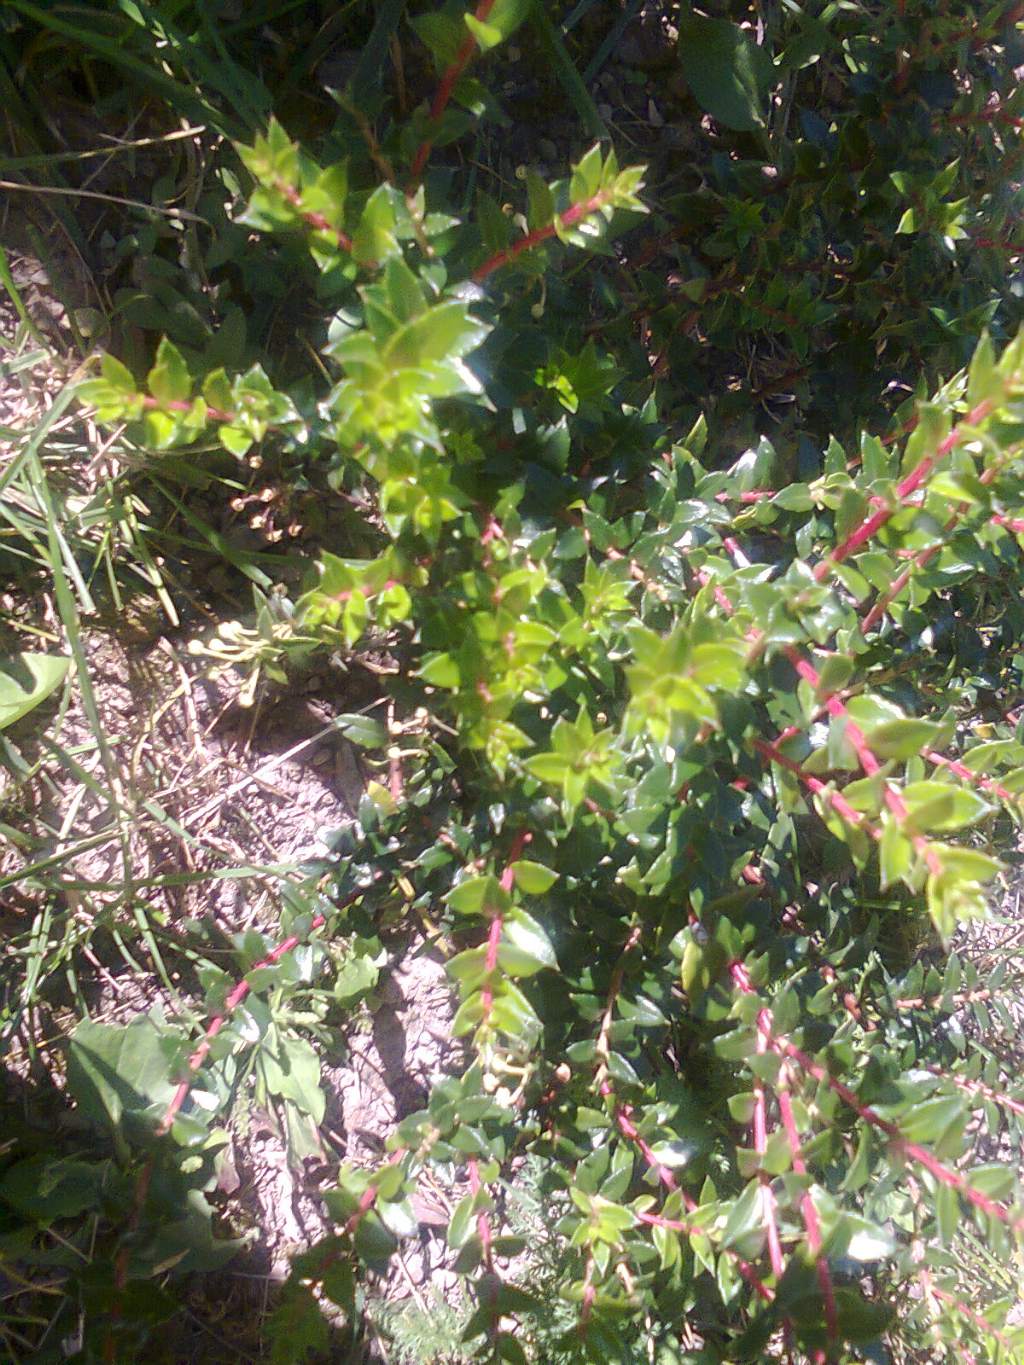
x: 183, y: 214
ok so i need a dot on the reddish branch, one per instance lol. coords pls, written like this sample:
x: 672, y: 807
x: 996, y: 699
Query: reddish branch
x: 871, y: 525
x: 314, y: 220
x: 366, y: 1202
x: 657, y: 1220
x: 760, y: 1135
x: 911, y: 1150
x: 629, y: 1130
x: 980, y: 1088
x: 497, y: 924
x: 483, y: 1223
x: 923, y: 557
x: 445, y: 89
x: 914, y: 1151
x: 575, y: 213
x: 614, y: 987
x: 977, y: 1318
x: 835, y: 799
x: 809, y: 1213
x: 234, y: 999
x: 183, y: 405
x: 993, y: 114
x: 483, y: 1228
x: 961, y: 770
x: 867, y: 760
x: 346, y: 593
x: 142, y: 1183
x: 833, y: 703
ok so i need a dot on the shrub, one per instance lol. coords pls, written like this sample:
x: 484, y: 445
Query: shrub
x: 687, y: 761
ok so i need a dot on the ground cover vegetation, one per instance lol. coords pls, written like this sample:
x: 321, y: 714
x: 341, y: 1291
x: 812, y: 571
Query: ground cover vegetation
x: 671, y: 502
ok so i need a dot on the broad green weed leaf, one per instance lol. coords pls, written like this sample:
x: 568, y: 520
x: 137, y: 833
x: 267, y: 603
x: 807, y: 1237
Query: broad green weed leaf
x: 26, y: 680
x: 114, y: 1071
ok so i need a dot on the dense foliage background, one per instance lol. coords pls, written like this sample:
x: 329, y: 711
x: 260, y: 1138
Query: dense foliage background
x: 667, y: 479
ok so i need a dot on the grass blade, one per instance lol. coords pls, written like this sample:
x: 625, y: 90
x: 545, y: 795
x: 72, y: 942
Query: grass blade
x: 576, y: 91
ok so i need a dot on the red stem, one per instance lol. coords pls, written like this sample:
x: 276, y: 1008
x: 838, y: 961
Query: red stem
x: 988, y: 783
x: 760, y: 1135
x: 744, y: 1267
x: 921, y: 558
x: 978, y: 1319
x: 980, y: 1088
x: 234, y: 999
x: 835, y: 799
x: 953, y: 1179
x: 809, y: 1213
x: 483, y: 1228
x: 182, y: 405
x: 871, y: 525
x: 867, y: 760
x: 497, y: 923
x: 369, y: 1196
x: 573, y: 214
x: 629, y: 1130
x: 314, y: 220
x: 444, y: 90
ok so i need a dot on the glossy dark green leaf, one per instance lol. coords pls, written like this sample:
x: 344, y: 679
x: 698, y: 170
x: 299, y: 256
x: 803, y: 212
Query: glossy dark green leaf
x: 730, y: 76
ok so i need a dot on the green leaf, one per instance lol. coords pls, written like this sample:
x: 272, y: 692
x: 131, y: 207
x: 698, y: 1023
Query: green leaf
x: 525, y: 947
x: 44, y: 1188
x: 445, y: 332
x: 541, y: 201
x: 533, y: 878
x: 729, y: 75
x: 895, y: 853
x: 902, y: 738
x: 114, y: 1071
x: 169, y: 379
x: 296, y: 1327
x: 462, y: 1222
x: 440, y: 670
x: 365, y: 731
x: 983, y: 380
x: 947, y: 1212
x: 293, y: 1071
x: 479, y: 896
x: 548, y: 767
x: 744, y: 1227
x: 486, y: 34
x: 118, y: 376
x: 442, y: 34
x: 374, y: 239
x: 586, y: 176
x: 26, y: 680
x: 235, y: 439
x: 864, y: 1240
x: 941, y: 806
x: 929, y: 1120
